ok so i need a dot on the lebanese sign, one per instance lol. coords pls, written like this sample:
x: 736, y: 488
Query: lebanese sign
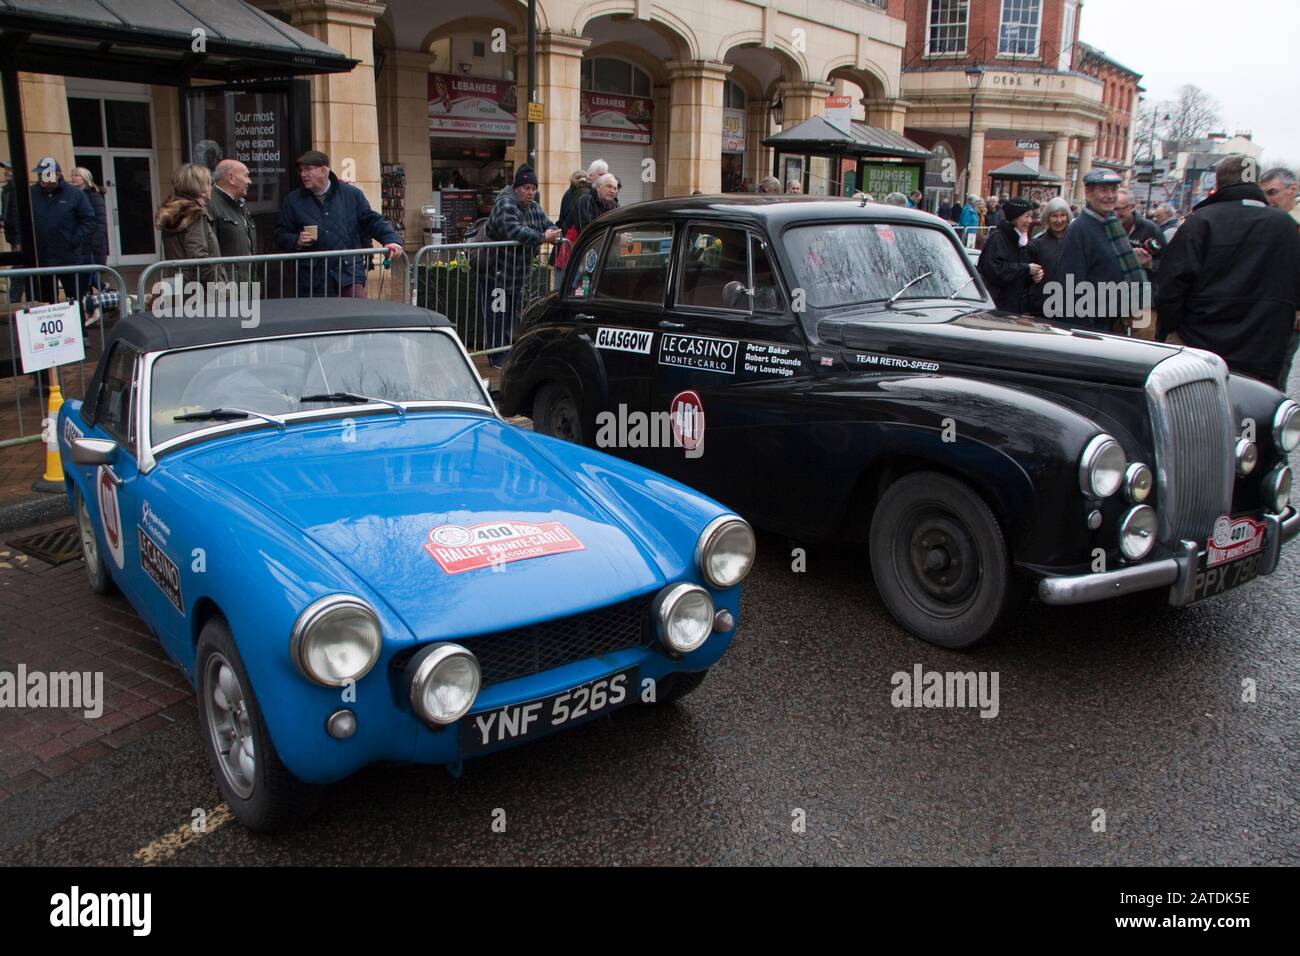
x: 608, y: 118
x: 881, y: 179
x: 50, y: 335
x: 472, y: 106
x: 492, y: 544
x: 733, y: 131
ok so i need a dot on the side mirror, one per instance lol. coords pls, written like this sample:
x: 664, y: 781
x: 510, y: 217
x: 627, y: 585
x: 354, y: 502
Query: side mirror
x: 732, y: 293
x: 93, y: 451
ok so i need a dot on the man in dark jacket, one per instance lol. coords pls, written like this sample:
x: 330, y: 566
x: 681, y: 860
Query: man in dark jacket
x: 1103, y: 278
x: 326, y: 213
x: 1147, y: 239
x: 64, y: 224
x: 1230, y: 282
x: 235, y: 229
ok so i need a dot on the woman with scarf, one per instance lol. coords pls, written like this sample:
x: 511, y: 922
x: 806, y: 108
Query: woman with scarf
x: 187, y: 231
x: 1046, y: 248
x: 1006, y: 263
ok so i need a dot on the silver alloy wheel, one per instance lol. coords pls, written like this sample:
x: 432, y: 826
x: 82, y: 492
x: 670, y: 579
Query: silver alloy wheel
x: 229, y: 724
x: 89, y: 546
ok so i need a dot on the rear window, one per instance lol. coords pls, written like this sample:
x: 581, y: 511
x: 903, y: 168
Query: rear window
x: 636, y: 264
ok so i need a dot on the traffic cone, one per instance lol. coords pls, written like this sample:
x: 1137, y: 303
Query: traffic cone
x: 52, y: 480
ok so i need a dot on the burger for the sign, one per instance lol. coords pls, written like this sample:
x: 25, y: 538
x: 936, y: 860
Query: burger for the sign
x: 458, y: 548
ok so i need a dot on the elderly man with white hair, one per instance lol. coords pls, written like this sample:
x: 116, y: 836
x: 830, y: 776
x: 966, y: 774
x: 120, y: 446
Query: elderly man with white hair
x: 601, y: 198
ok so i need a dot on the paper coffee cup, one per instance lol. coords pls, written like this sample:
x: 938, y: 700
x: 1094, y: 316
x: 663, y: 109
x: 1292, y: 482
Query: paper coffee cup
x: 311, y: 231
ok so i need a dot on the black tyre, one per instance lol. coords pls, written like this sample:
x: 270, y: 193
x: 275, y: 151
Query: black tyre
x: 96, y: 569
x: 556, y: 413
x: 676, y: 686
x: 940, y: 561
x: 261, y: 792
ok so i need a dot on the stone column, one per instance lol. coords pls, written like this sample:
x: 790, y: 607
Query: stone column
x: 975, y: 182
x: 47, y: 130
x: 801, y: 101
x: 559, y: 90
x: 345, y: 124
x: 661, y: 136
x: 886, y: 113
x: 1085, y: 165
x: 695, y: 127
x: 758, y: 158
x: 404, y: 131
x: 1060, y: 161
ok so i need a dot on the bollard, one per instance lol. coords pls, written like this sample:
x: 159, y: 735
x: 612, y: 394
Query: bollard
x: 52, y: 480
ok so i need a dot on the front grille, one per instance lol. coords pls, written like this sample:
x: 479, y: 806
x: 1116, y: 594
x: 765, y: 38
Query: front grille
x: 1194, y: 440
x: 506, y: 655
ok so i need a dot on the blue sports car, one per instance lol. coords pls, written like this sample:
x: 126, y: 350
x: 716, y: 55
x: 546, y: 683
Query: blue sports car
x: 354, y: 558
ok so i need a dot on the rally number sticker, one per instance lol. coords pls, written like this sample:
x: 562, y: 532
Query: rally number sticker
x: 457, y: 548
x: 1233, y: 539
x: 687, y: 416
x: 110, y: 515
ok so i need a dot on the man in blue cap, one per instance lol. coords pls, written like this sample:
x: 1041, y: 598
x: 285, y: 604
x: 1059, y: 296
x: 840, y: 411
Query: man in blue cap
x: 65, y: 225
x: 1104, y: 279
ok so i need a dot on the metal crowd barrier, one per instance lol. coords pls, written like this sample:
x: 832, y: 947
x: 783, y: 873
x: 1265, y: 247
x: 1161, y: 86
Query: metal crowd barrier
x: 482, y: 287
x: 328, y: 273
x: 24, y: 396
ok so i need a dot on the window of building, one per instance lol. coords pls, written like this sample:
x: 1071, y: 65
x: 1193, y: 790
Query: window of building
x: 605, y: 74
x: 733, y: 96
x: 947, y: 30
x: 1067, y: 35
x: 1018, y: 33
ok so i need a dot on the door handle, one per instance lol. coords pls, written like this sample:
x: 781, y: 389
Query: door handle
x: 665, y: 324
x: 584, y: 317
x: 112, y: 477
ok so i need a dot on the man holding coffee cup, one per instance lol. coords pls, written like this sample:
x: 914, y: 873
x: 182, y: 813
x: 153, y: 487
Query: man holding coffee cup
x: 325, y: 213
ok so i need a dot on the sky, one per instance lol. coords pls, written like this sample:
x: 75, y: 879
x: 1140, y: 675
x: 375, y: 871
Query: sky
x: 1246, y: 54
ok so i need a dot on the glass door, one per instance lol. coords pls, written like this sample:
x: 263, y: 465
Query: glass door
x: 113, y: 138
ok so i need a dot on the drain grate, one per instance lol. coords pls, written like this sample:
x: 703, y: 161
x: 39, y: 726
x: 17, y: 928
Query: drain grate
x: 55, y: 546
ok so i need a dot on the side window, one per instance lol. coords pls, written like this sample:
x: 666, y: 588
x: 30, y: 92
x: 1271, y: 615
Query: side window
x: 583, y: 271
x: 714, y: 256
x: 636, y: 264
x: 113, y: 409
x: 767, y: 288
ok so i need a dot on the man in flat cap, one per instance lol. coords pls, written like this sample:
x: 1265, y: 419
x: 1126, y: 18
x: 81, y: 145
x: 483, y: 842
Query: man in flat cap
x: 1103, y: 274
x: 326, y: 213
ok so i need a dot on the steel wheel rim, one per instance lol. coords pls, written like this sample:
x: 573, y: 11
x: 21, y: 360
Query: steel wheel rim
x: 229, y: 724
x: 945, y: 587
x: 564, y: 415
x: 89, y: 547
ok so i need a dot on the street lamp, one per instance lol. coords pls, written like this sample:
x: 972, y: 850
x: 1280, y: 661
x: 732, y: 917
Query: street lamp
x: 974, y: 77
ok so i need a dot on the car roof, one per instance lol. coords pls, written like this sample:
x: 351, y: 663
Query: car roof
x: 772, y: 210
x: 147, y: 332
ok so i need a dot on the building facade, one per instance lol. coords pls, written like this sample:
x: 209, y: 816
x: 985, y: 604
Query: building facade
x: 997, y: 86
x: 1120, y: 88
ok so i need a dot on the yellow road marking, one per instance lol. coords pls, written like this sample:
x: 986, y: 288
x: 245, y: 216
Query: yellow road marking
x: 169, y: 844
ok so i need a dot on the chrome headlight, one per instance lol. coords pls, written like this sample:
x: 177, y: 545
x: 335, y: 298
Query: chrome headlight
x: 1286, y: 426
x: 1277, y: 489
x: 442, y: 682
x: 725, y: 551
x: 1247, y: 454
x: 1101, y: 467
x: 1137, y: 532
x: 1137, y: 483
x: 336, y: 640
x: 683, y: 617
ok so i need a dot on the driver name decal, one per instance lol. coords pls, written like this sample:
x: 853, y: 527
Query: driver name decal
x: 698, y: 352
x: 457, y: 548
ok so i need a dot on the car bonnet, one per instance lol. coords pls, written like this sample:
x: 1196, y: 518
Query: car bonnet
x: 454, y: 520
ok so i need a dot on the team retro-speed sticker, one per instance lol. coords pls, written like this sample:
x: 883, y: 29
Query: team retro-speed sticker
x: 457, y: 548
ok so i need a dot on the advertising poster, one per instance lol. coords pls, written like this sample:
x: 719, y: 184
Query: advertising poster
x: 610, y: 118
x: 472, y: 106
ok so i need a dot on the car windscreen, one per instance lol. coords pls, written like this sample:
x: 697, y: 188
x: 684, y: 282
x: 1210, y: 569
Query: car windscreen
x: 841, y: 264
x: 272, y: 376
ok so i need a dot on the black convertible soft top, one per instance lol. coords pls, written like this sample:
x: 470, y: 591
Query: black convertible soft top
x: 146, y: 332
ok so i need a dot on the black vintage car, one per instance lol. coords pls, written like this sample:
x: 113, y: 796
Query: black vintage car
x: 837, y: 371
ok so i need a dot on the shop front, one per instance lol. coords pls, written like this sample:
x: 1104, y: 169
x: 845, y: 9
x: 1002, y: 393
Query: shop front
x: 733, y: 138
x: 616, y: 117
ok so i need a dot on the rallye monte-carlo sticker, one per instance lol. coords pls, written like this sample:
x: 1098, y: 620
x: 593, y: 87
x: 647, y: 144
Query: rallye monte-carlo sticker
x: 457, y: 548
x: 624, y: 340
x: 1233, y: 540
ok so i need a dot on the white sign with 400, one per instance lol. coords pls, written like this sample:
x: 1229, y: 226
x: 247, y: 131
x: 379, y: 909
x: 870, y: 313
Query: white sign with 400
x: 50, y: 335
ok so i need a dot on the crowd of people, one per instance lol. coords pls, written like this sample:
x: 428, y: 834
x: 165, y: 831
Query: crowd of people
x: 1224, y: 278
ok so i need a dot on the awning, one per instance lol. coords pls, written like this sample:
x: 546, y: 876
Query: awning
x: 153, y: 41
x: 818, y: 135
x: 1023, y: 171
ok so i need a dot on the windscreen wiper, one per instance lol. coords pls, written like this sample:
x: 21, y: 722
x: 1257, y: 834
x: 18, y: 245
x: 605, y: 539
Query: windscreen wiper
x: 894, y: 298
x: 228, y: 414
x: 953, y: 293
x: 354, y: 397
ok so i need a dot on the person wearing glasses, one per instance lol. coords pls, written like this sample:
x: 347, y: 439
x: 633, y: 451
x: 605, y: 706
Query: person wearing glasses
x: 601, y: 198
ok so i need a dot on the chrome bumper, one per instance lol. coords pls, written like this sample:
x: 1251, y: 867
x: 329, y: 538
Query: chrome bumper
x: 1178, y: 573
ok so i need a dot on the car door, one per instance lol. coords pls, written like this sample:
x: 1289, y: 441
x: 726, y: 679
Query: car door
x: 728, y: 373
x: 615, y: 295
x: 112, y: 503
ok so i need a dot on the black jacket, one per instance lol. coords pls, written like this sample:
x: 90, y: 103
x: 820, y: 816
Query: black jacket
x: 1004, y: 266
x: 589, y: 207
x: 65, y: 225
x: 1230, y: 280
x: 236, y: 232
x: 99, y: 240
x: 1046, y: 250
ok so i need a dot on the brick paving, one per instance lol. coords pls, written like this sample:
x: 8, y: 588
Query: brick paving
x: 50, y: 620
